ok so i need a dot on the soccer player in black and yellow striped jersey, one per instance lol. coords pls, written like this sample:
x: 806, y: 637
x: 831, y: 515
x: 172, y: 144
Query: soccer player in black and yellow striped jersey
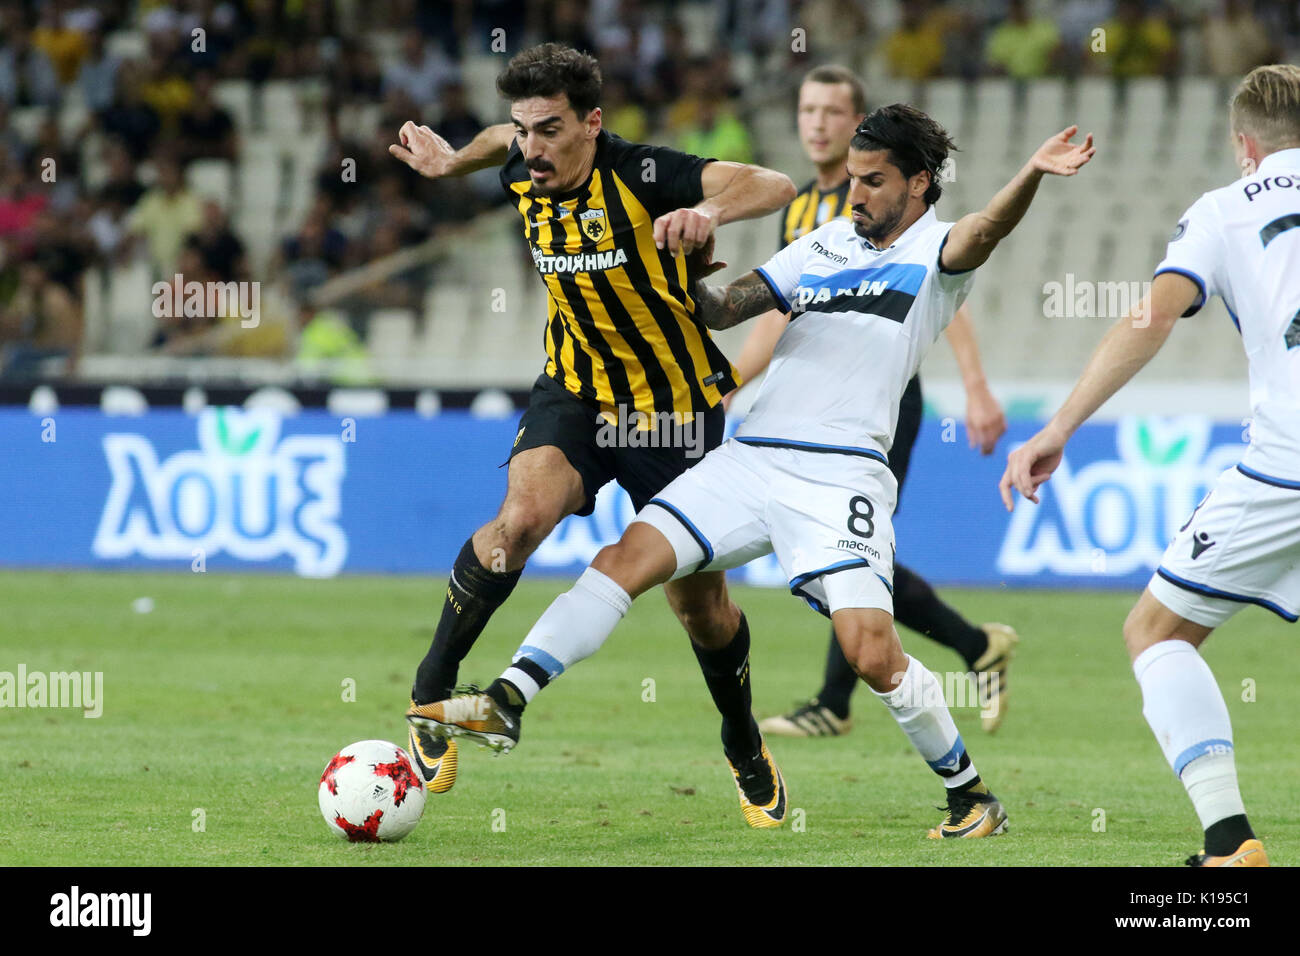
x: 609, y: 224
x: 832, y: 102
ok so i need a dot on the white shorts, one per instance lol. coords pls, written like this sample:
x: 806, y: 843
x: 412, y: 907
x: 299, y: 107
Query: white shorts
x: 826, y: 515
x: 1240, y: 546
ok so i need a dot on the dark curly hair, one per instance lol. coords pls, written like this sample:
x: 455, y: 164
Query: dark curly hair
x: 551, y: 68
x: 915, y: 142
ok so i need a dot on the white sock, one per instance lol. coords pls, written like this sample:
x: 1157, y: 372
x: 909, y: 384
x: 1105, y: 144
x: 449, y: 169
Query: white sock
x: 917, y: 704
x: 1185, y: 709
x: 571, y: 629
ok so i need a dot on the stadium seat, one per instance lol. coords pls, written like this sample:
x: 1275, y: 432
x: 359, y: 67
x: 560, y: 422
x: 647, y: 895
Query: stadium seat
x: 428, y: 404
x: 260, y: 183
x: 43, y: 401
x: 73, y: 115
x: 492, y: 403
x: 1092, y: 106
x: 944, y: 101
x: 211, y: 179
x: 357, y: 402
x: 94, y: 310
x: 1045, y: 112
x: 303, y: 162
x: 479, y: 74
x: 994, y: 109
x: 26, y: 121
x: 131, y: 321
x: 1145, y: 104
x: 391, y: 333
x: 312, y: 93
x: 194, y: 400
x: 122, y: 400
x: 448, y: 313
x: 274, y: 399
x: 127, y: 44
x: 236, y: 97
x: 282, y: 106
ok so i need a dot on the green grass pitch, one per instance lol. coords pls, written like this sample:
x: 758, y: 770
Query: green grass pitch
x: 229, y: 698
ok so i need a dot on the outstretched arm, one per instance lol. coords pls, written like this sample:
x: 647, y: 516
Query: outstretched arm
x: 722, y: 307
x: 432, y: 156
x: 1129, y: 345
x: 973, y: 238
x: 732, y: 191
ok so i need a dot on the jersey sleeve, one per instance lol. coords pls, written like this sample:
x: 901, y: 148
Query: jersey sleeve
x: 949, y: 291
x: 509, y: 172
x: 782, y: 271
x: 1195, y: 251
x: 665, y: 179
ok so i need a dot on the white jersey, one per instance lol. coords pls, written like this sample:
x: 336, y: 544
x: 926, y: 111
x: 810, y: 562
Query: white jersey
x: 861, y: 321
x: 1242, y: 243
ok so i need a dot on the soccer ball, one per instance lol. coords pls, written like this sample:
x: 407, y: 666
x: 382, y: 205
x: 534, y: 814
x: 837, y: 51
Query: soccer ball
x: 371, y: 793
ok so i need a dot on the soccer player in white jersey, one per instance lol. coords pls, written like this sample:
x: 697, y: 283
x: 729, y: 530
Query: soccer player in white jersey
x: 806, y: 475
x: 1241, y: 544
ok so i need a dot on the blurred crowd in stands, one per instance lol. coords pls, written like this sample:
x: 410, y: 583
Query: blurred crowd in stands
x: 153, y: 113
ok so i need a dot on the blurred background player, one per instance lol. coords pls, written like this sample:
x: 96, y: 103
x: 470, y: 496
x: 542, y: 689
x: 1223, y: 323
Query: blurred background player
x: 832, y: 102
x: 1241, y: 544
x: 608, y: 224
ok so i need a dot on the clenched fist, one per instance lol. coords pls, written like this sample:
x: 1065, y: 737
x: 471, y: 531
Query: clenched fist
x: 683, y: 230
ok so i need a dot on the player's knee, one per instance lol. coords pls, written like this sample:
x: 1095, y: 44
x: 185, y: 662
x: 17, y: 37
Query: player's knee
x: 616, y: 561
x: 708, y: 617
x: 874, y: 664
x: 1141, y: 631
x: 521, y: 526
x: 871, y: 653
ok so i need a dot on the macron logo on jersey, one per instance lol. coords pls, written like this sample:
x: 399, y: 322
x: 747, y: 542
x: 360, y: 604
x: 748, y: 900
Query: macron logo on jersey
x: 887, y: 291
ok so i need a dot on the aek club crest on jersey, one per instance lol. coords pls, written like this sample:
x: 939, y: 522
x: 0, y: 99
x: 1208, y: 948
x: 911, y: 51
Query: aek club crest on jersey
x: 593, y: 224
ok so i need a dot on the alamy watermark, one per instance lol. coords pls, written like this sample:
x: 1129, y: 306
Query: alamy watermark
x: 637, y: 429
x: 1085, y: 299
x: 954, y: 689
x: 76, y: 908
x: 83, y: 689
x: 210, y: 300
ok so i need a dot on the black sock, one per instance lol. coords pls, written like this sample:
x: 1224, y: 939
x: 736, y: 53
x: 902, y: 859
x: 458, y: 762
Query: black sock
x: 917, y: 606
x: 1222, y: 838
x: 507, y: 696
x: 473, y: 594
x: 839, y: 681
x: 726, y: 671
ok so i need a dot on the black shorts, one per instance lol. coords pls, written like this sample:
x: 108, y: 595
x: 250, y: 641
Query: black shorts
x: 909, y: 424
x: 601, y: 452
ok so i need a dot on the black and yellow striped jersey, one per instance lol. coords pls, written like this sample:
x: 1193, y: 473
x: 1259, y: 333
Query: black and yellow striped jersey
x: 812, y: 208
x: 621, y: 328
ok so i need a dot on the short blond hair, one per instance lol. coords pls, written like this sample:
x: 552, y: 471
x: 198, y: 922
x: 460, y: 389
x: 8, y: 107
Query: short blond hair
x: 1266, y: 106
x: 833, y: 75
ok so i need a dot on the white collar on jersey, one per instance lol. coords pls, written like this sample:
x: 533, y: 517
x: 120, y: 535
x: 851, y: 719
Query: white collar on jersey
x: 1282, y: 159
x: 926, y: 219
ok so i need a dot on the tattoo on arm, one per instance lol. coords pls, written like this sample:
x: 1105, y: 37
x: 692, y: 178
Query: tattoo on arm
x: 721, y: 308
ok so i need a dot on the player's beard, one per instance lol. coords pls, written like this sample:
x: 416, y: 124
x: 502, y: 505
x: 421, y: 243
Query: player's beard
x: 883, y: 225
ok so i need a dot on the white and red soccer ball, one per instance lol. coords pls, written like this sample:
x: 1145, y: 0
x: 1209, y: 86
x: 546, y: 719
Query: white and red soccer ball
x: 370, y: 792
